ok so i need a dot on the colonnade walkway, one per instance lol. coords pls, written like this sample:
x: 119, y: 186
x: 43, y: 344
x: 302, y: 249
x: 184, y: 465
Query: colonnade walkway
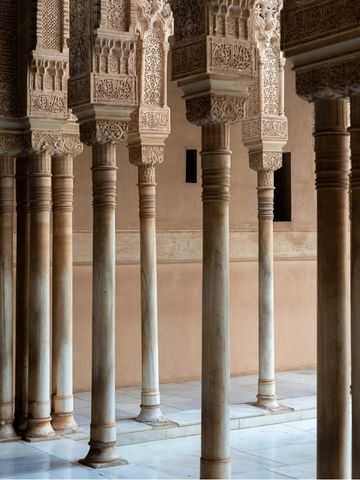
x: 265, y: 445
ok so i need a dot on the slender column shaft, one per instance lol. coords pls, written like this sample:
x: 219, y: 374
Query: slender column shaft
x: 266, y: 388
x: 7, y: 184
x: 355, y: 282
x: 22, y: 294
x: 39, y: 424
x: 216, y: 163
x: 150, y: 395
x: 103, y: 422
x: 332, y: 169
x: 62, y: 353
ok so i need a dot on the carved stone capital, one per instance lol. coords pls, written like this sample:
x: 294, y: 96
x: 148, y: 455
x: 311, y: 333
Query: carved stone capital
x: 265, y: 160
x: 54, y: 143
x: 146, y: 155
x: 104, y: 131
x: 11, y: 143
x: 212, y: 109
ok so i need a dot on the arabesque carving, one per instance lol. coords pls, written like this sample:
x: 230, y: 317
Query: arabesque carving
x: 307, y: 27
x: 265, y: 129
x: 103, y: 84
x: 150, y: 123
x: 212, y: 40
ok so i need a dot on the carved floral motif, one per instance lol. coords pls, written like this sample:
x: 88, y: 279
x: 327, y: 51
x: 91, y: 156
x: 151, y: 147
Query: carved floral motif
x: 104, y: 131
x: 316, y: 19
x: 55, y: 143
x: 212, y: 109
x: 265, y: 160
x: 150, y: 123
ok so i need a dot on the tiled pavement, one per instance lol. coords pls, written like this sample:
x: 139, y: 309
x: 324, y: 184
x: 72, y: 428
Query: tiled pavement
x: 276, y: 445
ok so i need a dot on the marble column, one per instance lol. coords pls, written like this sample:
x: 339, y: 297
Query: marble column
x: 103, y: 450
x: 22, y: 294
x: 215, y: 436
x: 266, y: 396
x: 355, y: 281
x: 150, y: 394
x: 7, y: 190
x: 332, y: 171
x: 39, y: 421
x: 62, y: 288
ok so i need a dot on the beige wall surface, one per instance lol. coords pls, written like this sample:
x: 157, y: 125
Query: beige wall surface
x: 179, y: 241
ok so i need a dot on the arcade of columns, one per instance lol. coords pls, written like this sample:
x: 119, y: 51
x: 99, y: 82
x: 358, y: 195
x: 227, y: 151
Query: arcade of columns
x: 95, y: 72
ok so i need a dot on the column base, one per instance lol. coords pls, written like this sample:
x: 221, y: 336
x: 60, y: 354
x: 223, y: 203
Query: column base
x: 8, y: 433
x: 220, y: 469
x: 39, y: 429
x: 269, y: 402
x: 64, y: 422
x: 102, y: 455
x: 152, y: 415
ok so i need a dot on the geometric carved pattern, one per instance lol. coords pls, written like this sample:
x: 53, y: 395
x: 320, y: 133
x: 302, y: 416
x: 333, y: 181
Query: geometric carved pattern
x: 51, y: 18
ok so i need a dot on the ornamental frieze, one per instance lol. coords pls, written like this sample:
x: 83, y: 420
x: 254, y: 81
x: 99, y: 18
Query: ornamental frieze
x: 230, y: 55
x: 314, y: 20
x: 52, y: 104
x: 329, y: 79
x: 115, y: 90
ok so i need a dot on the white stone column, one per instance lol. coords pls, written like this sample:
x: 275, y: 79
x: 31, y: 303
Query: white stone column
x: 355, y: 281
x: 62, y: 288
x: 215, y: 433
x: 7, y: 190
x: 22, y: 294
x: 103, y: 451
x: 39, y: 422
x: 333, y: 372
x: 266, y: 396
x: 150, y: 394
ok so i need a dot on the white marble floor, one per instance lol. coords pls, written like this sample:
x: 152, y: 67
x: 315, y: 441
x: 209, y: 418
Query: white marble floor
x: 275, y: 451
x: 283, y: 450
